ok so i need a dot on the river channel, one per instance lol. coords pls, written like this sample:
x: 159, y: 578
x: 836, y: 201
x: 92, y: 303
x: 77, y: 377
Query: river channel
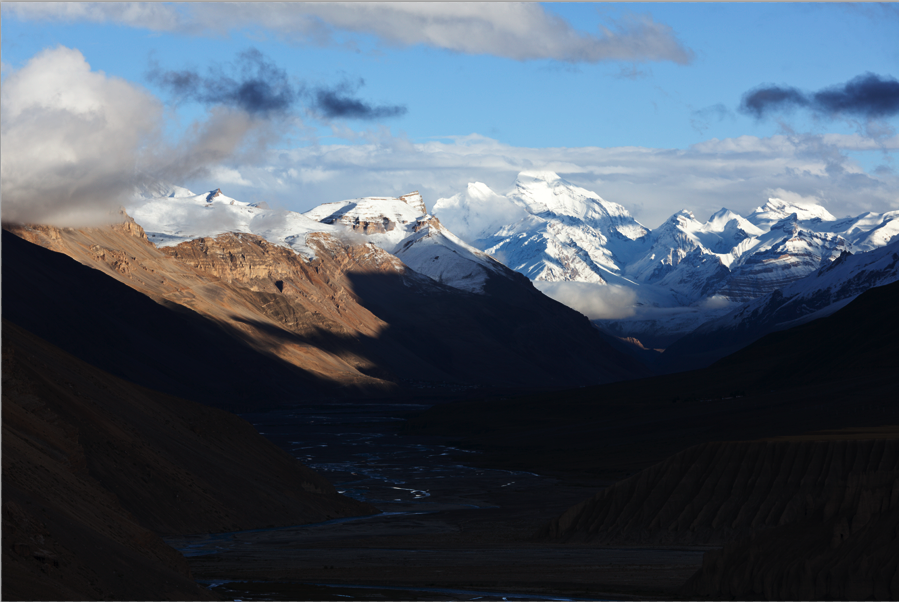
x: 448, y: 530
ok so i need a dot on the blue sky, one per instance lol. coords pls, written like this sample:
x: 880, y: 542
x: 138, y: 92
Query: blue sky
x: 646, y: 112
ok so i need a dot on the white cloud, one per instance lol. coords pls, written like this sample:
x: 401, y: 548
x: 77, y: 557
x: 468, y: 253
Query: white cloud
x: 652, y: 184
x: 596, y: 301
x: 75, y: 140
x: 71, y: 138
x: 145, y: 15
x: 521, y: 31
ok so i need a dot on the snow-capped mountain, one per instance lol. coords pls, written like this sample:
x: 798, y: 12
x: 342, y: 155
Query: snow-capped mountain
x: 556, y: 231
x: 776, y: 210
x: 820, y: 294
x: 181, y: 215
x: 401, y: 226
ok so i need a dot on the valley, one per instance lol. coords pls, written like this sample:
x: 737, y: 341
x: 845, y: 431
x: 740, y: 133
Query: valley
x: 449, y: 529
x: 431, y: 425
x: 449, y: 301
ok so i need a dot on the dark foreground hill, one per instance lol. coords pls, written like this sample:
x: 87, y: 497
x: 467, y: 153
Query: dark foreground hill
x: 809, y: 516
x: 96, y: 468
x: 836, y: 372
x: 801, y: 519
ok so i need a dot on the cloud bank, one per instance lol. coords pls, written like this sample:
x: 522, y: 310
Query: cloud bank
x: 519, y: 31
x: 71, y: 140
x: 867, y: 96
x: 737, y: 173
x: 76, y: 142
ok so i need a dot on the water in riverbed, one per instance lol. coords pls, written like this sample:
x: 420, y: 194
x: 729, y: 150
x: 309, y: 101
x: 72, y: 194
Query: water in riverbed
x: 444, y: 522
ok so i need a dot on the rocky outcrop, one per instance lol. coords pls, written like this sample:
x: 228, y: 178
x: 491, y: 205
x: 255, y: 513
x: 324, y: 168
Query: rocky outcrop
x: 850, y: 556
x: 96, y: 468
x: 798, y: 519
x: 718, y: 492
x: 415, y: 200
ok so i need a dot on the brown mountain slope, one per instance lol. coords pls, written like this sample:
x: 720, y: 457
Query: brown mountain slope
x: 237, y: 309
x: 94, y: 468
x: 164, y: 346
x: 849, y: 556
x: 355, y: 316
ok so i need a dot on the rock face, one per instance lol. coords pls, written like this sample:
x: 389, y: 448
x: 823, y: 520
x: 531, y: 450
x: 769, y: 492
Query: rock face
x: 96, y: 468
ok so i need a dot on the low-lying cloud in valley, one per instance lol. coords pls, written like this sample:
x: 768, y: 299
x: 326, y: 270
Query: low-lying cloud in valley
x: 596, y: 301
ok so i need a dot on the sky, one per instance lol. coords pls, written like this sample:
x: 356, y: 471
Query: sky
x: 656, y: 106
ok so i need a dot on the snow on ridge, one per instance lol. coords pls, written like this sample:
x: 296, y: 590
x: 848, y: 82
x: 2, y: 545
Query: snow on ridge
x: 777, y: 209
x: 171, y: 220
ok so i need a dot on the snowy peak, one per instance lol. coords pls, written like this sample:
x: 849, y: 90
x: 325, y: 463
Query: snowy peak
x: 170, y: 219
x: 399, y: 226
x: 526, y: 178
x: 478, y: 213
x: 726, y: 220
x: 776, y: 210
x: 545, y: 192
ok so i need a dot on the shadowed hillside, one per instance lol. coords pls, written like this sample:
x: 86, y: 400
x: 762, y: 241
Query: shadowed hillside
x: 835, y: 372
x: 96, y: 468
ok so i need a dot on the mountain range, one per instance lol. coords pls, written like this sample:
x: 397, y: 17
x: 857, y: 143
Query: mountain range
x: 681, y: 274
x: 112, y: 333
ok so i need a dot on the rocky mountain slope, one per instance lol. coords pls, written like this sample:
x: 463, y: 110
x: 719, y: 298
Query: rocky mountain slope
x: 95, y: 468
x: 718, y: 492
x: 321, y: 313
x: 150, y: 319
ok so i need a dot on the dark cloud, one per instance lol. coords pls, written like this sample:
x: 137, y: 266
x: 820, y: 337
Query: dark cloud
x: 338, y: 102
x: 769, y: 99
x: 867, y: 96
x: 257, y: 85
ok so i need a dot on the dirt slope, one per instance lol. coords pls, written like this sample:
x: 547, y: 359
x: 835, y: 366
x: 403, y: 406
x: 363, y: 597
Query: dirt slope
x: 95, y: 468
x: 718, y: 492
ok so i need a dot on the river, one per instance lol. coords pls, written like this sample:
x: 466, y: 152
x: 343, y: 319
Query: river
x: 448, y: 529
